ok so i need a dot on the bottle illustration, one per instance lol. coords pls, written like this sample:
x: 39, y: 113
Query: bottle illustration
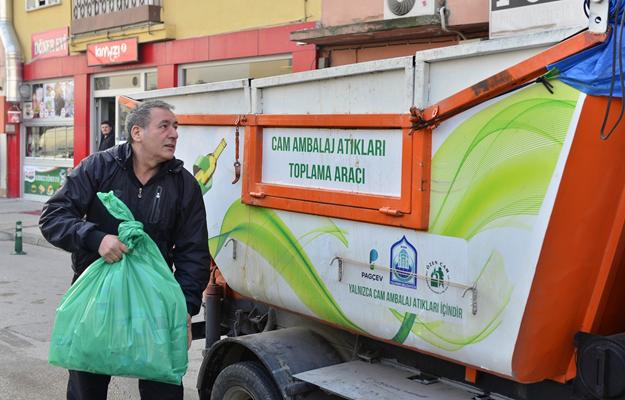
x: 205, y: 167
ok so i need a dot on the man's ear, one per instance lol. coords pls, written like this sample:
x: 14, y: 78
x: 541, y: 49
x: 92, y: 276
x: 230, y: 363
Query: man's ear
x: 137, y: 133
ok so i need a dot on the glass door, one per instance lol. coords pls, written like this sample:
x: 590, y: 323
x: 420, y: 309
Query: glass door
x: 105, y: 89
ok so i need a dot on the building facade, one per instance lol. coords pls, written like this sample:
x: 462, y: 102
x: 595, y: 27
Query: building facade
x: 79, y: 55
x: 353, y: 31
x: 65, y: 61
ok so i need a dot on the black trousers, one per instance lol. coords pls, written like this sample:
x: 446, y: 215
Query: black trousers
x: 88, y: 386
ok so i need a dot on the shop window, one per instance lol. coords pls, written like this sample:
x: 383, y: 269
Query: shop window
x: 50, y: 100
x: 55, y: 142
x: 225, y: 71
x: 118, y: 82
x: 36, y: 4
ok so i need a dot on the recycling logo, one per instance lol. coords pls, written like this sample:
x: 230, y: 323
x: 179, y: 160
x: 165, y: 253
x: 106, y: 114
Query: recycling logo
x: 437, y: 275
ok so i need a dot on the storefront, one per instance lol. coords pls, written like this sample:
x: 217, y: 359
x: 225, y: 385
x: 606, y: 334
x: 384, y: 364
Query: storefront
x: 48, y: 132
x: 106, y: 88
x: 65, y: 98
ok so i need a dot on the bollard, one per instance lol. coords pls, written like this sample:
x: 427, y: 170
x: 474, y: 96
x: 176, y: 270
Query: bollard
x: 18, y: 239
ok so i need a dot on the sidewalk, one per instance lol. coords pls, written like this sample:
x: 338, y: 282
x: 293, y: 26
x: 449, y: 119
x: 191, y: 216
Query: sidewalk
x: 12, y: 210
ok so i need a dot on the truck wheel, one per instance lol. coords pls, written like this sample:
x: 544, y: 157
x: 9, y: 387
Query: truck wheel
x: 244, y: 381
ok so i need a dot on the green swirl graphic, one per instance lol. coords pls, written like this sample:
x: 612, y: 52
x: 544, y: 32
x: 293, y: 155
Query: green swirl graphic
x: 490, y: 172
x: 499, y: 162
x: 494, y: 291
x: 262, y: 230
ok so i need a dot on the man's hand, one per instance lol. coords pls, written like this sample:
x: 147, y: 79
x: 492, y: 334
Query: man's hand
x: 111, y: 249
x: 189, y: 336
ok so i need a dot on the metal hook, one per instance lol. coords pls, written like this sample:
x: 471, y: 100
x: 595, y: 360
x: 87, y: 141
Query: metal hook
x: 340, y: 270
x: 473, y: 290
x: 234, y: 247
x: 237, y: 165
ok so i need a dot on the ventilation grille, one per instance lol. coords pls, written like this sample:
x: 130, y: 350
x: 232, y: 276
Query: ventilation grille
x: 400, y: 7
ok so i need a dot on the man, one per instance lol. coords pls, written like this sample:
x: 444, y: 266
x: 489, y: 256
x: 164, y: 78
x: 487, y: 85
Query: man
x: 160, y: 193
x: 107, y: 136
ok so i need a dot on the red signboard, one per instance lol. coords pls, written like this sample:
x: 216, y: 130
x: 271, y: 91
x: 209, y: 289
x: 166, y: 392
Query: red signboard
x: 50, y: 43
x: 114, y: 52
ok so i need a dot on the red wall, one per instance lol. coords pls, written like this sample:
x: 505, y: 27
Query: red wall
x: 165, y: 56
x: 257, y: 42
x: 13, y: 153
x: 81, y: 117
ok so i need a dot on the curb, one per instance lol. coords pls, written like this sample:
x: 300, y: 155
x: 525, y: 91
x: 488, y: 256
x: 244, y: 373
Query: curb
x: 35, y: 240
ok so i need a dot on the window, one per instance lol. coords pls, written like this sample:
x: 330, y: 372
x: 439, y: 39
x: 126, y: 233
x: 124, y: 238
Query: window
x: 126, y: 81
x: 36, y: 4
x: 51, y: 100
x: 151, y: 81
x: 55, y: 142
x: 226, y: 71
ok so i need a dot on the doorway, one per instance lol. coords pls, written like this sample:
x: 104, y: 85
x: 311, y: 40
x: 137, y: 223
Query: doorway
x: 105, y: 111
x: 106, y: 88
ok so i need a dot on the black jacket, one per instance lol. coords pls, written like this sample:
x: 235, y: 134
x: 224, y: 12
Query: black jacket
x: 170, y: 206
x: 106, y: 142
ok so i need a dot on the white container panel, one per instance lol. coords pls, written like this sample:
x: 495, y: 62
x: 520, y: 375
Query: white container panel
x: 373, y: 87
x: 230, y: 97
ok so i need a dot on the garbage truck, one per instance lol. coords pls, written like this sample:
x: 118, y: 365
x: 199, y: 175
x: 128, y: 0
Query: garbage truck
x: 449, y: 225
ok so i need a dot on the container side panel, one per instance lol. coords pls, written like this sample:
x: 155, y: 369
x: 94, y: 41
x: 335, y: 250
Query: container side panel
x: 495, y: 171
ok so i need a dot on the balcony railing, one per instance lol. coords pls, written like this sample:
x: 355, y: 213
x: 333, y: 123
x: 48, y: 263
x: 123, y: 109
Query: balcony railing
x: 96, y: 15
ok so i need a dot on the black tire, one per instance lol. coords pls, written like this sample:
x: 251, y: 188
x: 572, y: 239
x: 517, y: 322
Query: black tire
x: 245, y: 381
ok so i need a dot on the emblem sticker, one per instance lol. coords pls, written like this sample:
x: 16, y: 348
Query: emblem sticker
x: 437, y: 275
x: 404, y: 264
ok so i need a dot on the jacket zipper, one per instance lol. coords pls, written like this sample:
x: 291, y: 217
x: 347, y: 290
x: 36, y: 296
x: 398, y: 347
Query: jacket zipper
x: 155, y: 213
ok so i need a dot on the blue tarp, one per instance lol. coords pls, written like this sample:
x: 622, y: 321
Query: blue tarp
x: 591, y: 71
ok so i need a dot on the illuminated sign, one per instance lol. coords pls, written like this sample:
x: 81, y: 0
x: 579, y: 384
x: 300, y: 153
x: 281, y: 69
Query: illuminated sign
x: 114, y: 52
x: 50, y: 43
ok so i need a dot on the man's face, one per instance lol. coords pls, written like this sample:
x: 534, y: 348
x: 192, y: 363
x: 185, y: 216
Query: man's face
x: 105, y: 129
x: 158, y: 139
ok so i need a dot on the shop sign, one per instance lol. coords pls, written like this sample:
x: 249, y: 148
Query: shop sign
x: 51, y: 100
x: 114, y: 52
x: 14, y: 116
x: 44, y: 181
x: 50, y: 43
x: 362, y: 161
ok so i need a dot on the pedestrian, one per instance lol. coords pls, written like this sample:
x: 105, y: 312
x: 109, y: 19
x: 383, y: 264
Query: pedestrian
x: 161, y: 194
x: 107, y: 136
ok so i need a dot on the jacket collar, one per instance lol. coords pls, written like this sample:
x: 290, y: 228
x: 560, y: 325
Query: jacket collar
x: 124, y: 154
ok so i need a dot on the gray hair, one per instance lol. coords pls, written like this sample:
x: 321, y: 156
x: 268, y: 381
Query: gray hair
x: 140, y: 116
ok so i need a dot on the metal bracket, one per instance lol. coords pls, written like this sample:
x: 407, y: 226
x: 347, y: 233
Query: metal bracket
x: 340, y: 269
x: 391, y: 211
x: 234, y: 247
x: 416, y: 118
x: 598, y: 19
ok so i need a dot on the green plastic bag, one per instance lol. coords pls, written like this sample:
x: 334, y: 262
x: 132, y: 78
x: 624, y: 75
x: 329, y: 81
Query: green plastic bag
x: 128, y: 318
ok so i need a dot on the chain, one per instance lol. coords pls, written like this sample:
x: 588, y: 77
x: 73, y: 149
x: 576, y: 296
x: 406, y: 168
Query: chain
x: 237, y: 164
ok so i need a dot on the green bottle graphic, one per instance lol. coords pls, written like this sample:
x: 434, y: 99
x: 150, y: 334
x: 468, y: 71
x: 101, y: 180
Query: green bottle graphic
x: 205, y: 167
